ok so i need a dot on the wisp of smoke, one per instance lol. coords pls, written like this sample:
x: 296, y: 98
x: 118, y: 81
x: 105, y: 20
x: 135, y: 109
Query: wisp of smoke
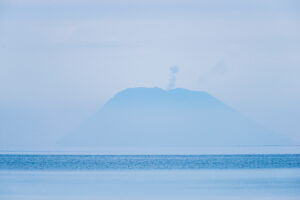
x: 172, y: 82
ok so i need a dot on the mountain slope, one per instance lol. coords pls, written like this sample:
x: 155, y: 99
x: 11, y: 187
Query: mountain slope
x: 152, y: 117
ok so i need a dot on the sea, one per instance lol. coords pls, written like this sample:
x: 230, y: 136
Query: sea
x: 25, y: 176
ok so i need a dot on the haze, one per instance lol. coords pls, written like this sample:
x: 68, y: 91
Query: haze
x: 60, y: 61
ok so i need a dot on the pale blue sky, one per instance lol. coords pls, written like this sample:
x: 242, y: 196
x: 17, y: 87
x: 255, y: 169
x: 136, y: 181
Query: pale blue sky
x: 61, y: 60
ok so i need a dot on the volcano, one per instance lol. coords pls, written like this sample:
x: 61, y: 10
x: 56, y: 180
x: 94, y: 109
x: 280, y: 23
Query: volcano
x: 153, y: 117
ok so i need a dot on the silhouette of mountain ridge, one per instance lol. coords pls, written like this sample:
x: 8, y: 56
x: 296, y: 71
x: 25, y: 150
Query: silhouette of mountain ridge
x: 153, y: 117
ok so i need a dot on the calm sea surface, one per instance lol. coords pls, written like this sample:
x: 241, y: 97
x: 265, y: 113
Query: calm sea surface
x: 269, y: 176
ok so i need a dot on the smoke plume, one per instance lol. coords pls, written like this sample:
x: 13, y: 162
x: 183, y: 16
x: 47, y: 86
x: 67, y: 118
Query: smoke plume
x: 172, y: 81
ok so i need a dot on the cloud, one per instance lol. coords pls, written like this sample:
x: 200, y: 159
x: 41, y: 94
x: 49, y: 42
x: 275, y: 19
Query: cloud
x: 220, y: 68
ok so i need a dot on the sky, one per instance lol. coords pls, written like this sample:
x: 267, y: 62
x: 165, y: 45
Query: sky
x: 60, y: 61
